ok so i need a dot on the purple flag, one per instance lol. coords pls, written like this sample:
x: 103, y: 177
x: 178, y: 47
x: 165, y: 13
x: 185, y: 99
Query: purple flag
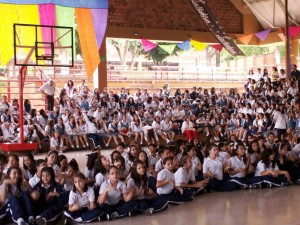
x: 100, y: 22
x: 148, y: 45
x: 263, y: 34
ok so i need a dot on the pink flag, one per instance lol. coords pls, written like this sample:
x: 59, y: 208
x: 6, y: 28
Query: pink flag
x: 148, y: 45
x: 47, y: 17
x: 263, y: 34
x: 218, y: 47
x: 294, y: 31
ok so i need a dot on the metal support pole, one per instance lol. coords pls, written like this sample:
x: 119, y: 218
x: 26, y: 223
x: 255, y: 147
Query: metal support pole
x: 287, y: 40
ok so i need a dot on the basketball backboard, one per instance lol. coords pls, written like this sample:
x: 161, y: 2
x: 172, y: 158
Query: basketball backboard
x: 48, y: 45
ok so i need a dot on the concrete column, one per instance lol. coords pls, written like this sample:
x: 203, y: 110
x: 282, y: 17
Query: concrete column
x: 102, y: 68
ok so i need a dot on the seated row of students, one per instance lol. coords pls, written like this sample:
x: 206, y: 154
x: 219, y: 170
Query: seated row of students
x: 132, y: 181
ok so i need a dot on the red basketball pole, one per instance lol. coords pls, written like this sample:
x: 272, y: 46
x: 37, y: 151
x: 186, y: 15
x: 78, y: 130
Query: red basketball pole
x: 22, y: 77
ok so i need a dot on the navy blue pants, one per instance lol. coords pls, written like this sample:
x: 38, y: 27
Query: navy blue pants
x: 20, y: 207
x: 175, y: 197
x: 97, y: 139
x: 122, y: 208
x: 51, y: 212
x: 158, y: 204
x: 240, y: 182
x: 220, y: 185
x: 275, y: 181
x: 85, y: 214
x: 152, y: 183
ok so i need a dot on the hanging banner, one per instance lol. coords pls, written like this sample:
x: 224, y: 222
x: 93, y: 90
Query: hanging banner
x: 263, y: 34
x: 199, y: 46
x: 185, y: 45
x: 148, y: 45
x: 211, y: 22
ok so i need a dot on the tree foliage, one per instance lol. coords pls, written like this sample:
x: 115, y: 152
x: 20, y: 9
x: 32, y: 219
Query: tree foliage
x: 248, y: 51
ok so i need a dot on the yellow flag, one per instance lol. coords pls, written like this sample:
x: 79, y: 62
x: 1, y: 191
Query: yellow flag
x: 8, y: 16
x: 199, y: 46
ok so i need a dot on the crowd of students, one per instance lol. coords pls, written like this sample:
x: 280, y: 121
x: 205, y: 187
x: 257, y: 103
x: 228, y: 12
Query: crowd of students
x: 247, y: 141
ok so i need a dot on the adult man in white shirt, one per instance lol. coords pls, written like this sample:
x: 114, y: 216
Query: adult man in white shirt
x: 48, y: 89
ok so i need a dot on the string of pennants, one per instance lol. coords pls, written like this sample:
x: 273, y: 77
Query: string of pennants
x: 200, y: 46
x: 186, y: 45
x: 262, y: 35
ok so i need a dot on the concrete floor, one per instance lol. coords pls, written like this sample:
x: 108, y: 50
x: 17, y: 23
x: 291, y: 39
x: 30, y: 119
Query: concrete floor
x: 265, y: 206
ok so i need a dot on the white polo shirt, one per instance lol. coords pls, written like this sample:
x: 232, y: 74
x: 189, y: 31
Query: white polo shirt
x: 184, y: 176
x: 131, y: 183
x: 236, y: 163
x: 280, y: 120
x: 261, y: 167
x: 114, y: 196
x: 162, y: 176
x: 196, y: 162
x: 82, y: 200
x: 153, y: 159
x: 159, y: 165
x: 213, y: 166
x: 100, y: 178
x: 49, y: 90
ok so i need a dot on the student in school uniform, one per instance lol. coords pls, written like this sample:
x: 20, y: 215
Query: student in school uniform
x: 111, y: 194
x: 239, y: 164
x: 72, y: 132
x: 185, y: 178
x: 29, y: 165
x: 190, y: 151
x: 92, y: 131
x: 100, y: 173
x: 163, y: 152
x: 131, y: 156
x: 48, y: 198
x: 82, y: 132
x: 52, y: 160
x: 214, y: 168
x: 138, y: 181
x: 66, y: 179
x: 57, y: 142
x: 82, y: 202
x: 15, y: 199
x: 39, y: 164
x: 153, y: 156
x: 165, y: 185
x: 267, y: 169
x: 13, y: 160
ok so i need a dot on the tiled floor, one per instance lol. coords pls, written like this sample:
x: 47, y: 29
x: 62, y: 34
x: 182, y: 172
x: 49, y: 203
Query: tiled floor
x: 250, y: 207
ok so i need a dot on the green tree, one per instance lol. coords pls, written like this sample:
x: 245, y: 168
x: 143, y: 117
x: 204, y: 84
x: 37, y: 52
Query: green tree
x: 158, y: 55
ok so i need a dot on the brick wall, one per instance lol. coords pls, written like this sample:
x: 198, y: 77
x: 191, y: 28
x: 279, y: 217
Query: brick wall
x: 172, y: 15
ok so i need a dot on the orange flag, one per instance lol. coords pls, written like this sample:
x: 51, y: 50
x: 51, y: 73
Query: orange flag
x: 84, y: 19
x: 245, y: 39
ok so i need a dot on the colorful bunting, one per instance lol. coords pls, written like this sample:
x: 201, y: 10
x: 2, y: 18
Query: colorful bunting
x: 100, y: 22
x: 218, y: 47
x: 47, y: 17
x: 263, y: 34
x: 148, y: 45
x: 168, y: 48
x: 294, y: 31
x: 245, y: 39
x: 186, y: 45
x: 199, y: 46
x: 87, y: 37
